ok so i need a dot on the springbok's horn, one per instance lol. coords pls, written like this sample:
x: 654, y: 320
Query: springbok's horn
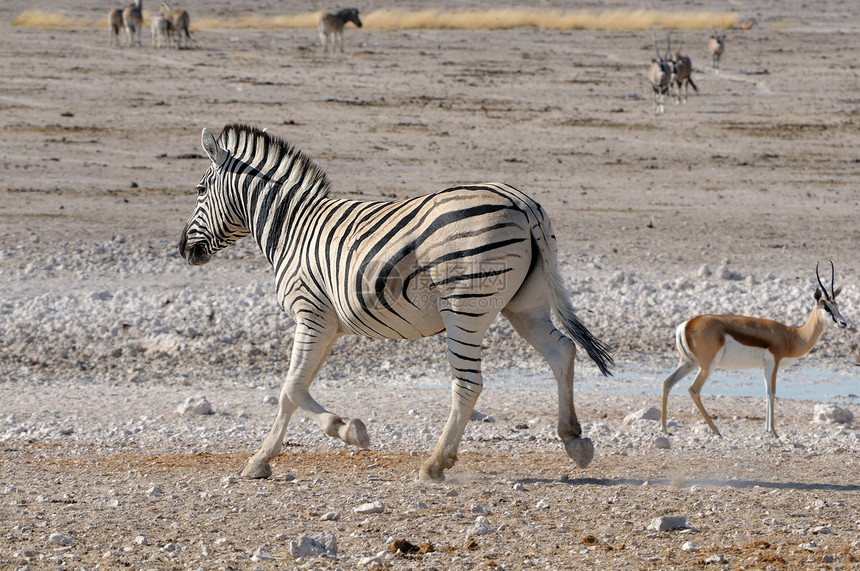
x: 820, y: 285
x: 832, y: 279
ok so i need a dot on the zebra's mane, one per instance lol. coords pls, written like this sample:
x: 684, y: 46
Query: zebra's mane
x: 248, y: 144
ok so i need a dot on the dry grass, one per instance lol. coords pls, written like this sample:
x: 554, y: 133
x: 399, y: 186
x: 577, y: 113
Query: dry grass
x: 499, y: 19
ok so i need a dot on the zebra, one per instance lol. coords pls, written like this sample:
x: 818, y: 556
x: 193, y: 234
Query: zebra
x: 449, y: 261
x: 331, y: 27
x: 179, y: 22
x: 133, y: 18
x: 115, y: 25
x: 161, y: 30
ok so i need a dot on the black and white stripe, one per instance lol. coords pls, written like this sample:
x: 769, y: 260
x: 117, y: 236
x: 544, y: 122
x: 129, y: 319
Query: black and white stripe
x: 448, y: 261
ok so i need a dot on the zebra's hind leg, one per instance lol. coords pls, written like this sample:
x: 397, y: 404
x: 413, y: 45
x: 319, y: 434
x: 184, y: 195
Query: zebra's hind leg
x: 465, y: 334
x: 559, y: 351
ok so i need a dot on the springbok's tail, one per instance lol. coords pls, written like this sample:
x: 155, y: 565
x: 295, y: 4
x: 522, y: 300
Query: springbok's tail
x: 681, y: 343
x: 560, y: 299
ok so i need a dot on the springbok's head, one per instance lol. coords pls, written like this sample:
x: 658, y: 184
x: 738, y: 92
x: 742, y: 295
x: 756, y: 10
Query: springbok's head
x: 217, y: 221
x: 827, y: 301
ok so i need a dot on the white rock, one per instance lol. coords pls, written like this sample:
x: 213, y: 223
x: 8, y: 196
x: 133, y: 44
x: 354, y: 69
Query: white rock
x: 270, y: 399
x: 649, y: 413
x: 59, y: 539
x: 260, y: 555
x: 311, y: 546
x: 518, y: 487
x: 195, y: 405
x: 689, y: 546
x: 373, y: 561
x: 154, y: 491
x: 480, y: 527
x: 661, y: 442
x: 827, y: 413
x: 370, y: 508
x: 667, y: 523
x: 141, y: 540
x: 330, y: 516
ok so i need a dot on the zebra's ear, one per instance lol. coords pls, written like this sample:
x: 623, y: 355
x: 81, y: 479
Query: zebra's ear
x: 210, y: 145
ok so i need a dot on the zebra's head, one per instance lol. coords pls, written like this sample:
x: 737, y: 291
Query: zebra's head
x: 217, y: 221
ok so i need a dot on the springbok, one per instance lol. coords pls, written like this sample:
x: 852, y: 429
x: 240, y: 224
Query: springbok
x: 717, y: 46
x: 660, y: 75
x: 132, y: 17
x: 161, y: 31
x: 179, y: 21
x: 736, y: 342
x: 682, y: 67
x: 331, y: 27
x: 115, y: 25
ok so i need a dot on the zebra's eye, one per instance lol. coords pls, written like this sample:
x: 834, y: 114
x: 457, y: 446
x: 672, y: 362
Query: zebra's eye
x: 201, y: 189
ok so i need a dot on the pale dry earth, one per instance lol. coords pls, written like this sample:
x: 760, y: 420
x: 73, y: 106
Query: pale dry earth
x: 104, y: 331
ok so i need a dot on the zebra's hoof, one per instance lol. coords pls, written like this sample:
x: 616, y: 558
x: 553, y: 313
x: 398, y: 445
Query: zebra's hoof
x: 581, y: 450
x: 354, y: 432
x: 257, y: 469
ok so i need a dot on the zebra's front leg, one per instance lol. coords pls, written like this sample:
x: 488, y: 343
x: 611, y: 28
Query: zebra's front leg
x: 311, y: 347
x: 258, y: 465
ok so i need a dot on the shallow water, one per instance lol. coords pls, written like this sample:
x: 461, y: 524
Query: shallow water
x: 797, y: 382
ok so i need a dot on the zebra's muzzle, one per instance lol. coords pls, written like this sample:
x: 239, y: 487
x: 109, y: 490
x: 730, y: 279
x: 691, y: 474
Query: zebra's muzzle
x: 197, y: 254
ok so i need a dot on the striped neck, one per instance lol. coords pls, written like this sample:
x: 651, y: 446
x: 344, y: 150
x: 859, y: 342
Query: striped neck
x: 275, y: 184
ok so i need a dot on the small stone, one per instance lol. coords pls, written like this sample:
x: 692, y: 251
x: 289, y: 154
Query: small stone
x: 270, y: 399
x: 141, y: 540
x: 480, y: 510
x: 661, y: 443
x: 260, y: 555
x: 668, y: 523
x: 717, y: 558
x: 372, y: 562
x: 828, y: 413
x: 330, y: 516
x: 195, y: 405
x: 689, y: 546
x: 311, y: 546
x: 649, y: 413
x: 59, y: 539
x: 154, y: 491
x: 696, y: 488
x: 376, y: 507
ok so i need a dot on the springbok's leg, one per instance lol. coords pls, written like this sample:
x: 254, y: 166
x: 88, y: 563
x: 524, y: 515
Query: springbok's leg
x: 770, y: 369
x: 684, y: 368
x: 695, y: 390
x: 464, y: 354
x: 310, y: 349
x: 559, y: 352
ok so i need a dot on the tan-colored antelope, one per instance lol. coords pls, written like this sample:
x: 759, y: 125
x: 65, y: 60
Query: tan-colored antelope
x: 717, y: 46
x: 115, y: 25
x: 736, y: 342
x: 179, y: 22
x: 331, y: 27
x: 132, y: 18
x: 660, y: 76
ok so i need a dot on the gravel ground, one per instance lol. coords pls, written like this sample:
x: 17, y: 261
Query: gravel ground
x: 721, y: 205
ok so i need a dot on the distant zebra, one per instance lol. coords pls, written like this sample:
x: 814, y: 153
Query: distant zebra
x: 160, y: 30
x: 132, y: 17
x: 449, y: 261
x: 179, y: 22
x: 331, y: 27
x: 115, y: 25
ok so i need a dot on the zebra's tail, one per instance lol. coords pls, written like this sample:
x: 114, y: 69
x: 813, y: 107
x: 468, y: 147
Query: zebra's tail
x: 560, y: 299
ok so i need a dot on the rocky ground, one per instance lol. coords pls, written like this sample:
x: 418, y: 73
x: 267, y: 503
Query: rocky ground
x: 724, y: 204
